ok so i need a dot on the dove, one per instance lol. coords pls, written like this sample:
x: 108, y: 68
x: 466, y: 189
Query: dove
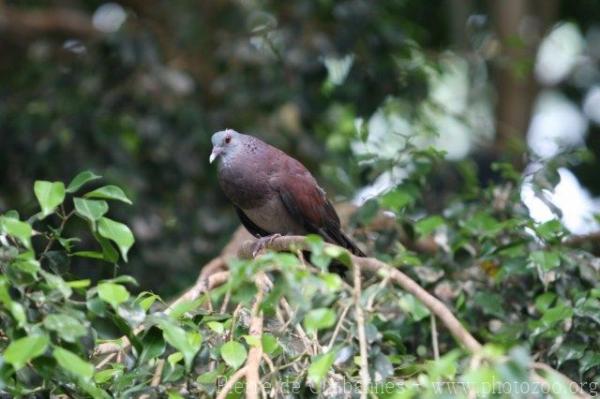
x: 273, y: 193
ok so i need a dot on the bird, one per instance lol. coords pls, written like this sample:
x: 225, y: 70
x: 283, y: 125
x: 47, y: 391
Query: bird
x: 273, y: 193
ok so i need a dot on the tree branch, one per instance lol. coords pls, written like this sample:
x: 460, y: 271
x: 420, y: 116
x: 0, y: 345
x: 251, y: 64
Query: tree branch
x: 362, y: 338
x: 289, y: 243
x: 238, y: 375
x: 256, y: 351
x: 54, y: 19
x: 373, y: 265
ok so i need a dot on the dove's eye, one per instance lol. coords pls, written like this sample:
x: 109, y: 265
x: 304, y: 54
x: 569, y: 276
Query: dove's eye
x: 227, y: 139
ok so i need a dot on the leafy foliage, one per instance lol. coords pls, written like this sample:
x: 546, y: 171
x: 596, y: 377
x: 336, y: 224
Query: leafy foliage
x: 516, y: 284
x: 359, y: 77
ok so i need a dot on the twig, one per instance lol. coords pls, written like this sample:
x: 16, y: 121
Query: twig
x: 225, y: 301
x: 305, y: 340
x: 336, y: 330
x: 577, y: 240
x: 64, y: 218
x: 269, y: 362
x: 256, y: 351
x: 373, y: 265
x: 381, y: 286
x: 436, y: 306
x: 104, y: 361
x: 362, y: 338
x: 272, y: 371
x: 212, y: 267
x: 434, y: 338
x: 238, y: 375
x: 19, y: 21
x: 160, y: 364
x: 202, y: 285
x: 234, y: 317
x: 287, y: 365
x: 251, y: 369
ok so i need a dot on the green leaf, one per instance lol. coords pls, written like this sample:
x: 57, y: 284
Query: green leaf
x: 146, y: 299
x: 269, y: 343
x: 115, y: 294
x: 483, y: 224
x: 186, y: 306
x: 90, y: 210
x: 83, y: 283
x: 490, y: 303
x: 253, y: 340
x: 479, y: 377
x: 556, y: 314
x: 209, y: 377
x: 401, y: 197
x: 319, y: 367
x: 333, y: 281
x: 550, y: 230
x: 216, y: 326
x: 547, y: 260
x: 56, y: 282
x: 234, y: 354
x: 21, y: 351
x: 122, y: 279
x: 29, y: 266
x: 73, y: 363
x: 319, y: 319
x: 445, y: 367
x: 117, y: 232
x: 67, y: 327
x: 49, y: 195
x: 109, y: 253
x: 81, y: 179
x: 414, y: 307
x: 15, y: 308
x: 174, y: 395
x: 89, y: 254
x: 18, y: 229
x: 109, y: 192
x: 428, y: 225
x: 544, y: 301
x: 105, y: 375
x: 153, y: 345
x: 174, y: 358
x: 188, y: 343
x: 338, y: 253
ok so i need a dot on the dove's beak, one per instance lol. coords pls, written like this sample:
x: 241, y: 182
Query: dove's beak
x: 214, y: 154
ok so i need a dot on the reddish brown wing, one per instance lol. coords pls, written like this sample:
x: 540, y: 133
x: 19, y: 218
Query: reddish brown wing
x: 308, y: 205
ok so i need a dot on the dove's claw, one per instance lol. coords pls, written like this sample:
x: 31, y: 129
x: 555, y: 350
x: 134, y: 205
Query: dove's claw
x: 262, y: 242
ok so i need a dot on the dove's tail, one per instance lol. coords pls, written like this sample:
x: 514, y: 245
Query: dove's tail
x: 347, y: 243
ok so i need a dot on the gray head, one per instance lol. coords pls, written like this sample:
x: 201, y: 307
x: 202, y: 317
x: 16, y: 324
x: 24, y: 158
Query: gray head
x: 225, y: 143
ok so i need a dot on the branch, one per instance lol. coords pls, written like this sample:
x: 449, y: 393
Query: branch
x: 373, y: 265
x: 289, y: 243
x: 256, y: 352
x: 251, y: 369
x: 238, y: 375
x: 31, y: 22
x: 362, y: 338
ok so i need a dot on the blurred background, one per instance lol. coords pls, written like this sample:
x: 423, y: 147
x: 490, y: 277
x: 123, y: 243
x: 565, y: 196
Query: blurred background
x: 134, y: 89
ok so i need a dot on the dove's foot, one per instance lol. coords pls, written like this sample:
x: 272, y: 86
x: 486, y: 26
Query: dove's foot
x: 263, y: 242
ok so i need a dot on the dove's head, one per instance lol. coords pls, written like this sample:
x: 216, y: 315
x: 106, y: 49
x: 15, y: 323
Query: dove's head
x: 226, y: 143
